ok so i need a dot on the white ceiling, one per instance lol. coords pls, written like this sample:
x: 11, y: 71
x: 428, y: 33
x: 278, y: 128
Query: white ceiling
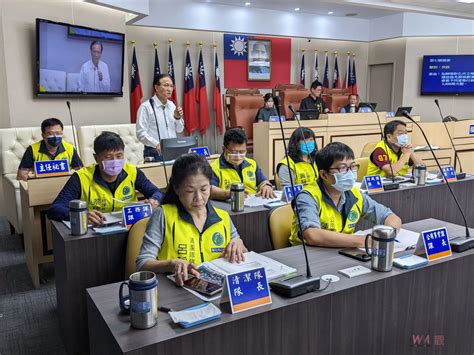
x: 367, y: 9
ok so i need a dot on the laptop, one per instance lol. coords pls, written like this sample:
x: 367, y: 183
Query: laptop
x: 400, y: 110
x: 309, y: 114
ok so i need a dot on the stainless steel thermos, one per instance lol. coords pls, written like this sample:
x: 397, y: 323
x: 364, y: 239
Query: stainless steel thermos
x: 419, y: 174
x: 237, y: 196
x: 383, y: 240
x: 142, y: 298
x: 78, y: 217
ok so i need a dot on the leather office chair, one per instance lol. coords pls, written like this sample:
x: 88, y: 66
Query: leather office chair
x: 363, y: 167
x: 279, y: 223
x: 291, y: 97
x: 134, y: 243
x: 243, y: 109
x: 336, y: 102
x: 368, y: 149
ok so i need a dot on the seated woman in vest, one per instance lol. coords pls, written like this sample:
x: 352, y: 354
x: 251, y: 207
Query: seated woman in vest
x: 51, y: 147
x: 301, y: 152
x: 106, y: 186
x: 330, y: 210
x: 232, y: 166
x: 353, y: 105
x: 394, y: 153
x: 268, y: 109
x: 187, y: 230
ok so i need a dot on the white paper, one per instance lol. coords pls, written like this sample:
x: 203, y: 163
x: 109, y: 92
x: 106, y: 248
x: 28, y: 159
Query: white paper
x: 425, y: 147
x: 111, y: 229
x: 195, y: 315
x: 255, y: 201
x: 405, y: 239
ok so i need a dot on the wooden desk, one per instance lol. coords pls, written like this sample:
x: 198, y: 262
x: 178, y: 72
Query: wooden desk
x: 377, y: 313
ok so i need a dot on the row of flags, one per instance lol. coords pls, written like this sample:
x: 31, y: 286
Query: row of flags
x: 192, y: 97
x: 350, y: 77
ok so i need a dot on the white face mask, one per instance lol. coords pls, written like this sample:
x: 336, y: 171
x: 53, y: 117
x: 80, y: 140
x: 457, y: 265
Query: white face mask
x: 345, y: 181
x: 402, y: 140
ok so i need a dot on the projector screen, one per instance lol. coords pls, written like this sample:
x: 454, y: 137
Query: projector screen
x: 447, y: 74
x: 78, y: 61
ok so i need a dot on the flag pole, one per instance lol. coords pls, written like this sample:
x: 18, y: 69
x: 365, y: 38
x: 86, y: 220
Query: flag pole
x: 214, y: 46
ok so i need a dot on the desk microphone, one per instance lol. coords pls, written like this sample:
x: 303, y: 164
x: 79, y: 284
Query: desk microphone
x: 72, y: 126
x: 460, y: 175
x: 459, y: 243
x: 391, y: 185
x: 295, y: 285
x: 159, y: 137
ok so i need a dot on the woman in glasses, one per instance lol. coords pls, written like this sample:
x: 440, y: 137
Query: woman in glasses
x: 330, y: 210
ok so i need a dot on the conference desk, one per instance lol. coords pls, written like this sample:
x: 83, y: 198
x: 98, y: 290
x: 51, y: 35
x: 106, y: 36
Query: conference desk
x: 395, y: 312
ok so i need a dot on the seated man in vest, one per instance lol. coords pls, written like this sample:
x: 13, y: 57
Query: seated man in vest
x: 106, y: 186
x: 330, y: 209
x: 394, y: 153
x: 51, y: 147
x: 353, y: 106
x: 232, y: 166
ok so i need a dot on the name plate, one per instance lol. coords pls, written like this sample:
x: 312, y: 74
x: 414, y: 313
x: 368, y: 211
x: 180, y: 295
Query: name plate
x: 51, y: 168
x: 436, y: 243
x: 471, y: 129
x: 449, y: 173
x: 276, y: 119
x: 133, y: 213
x: 373, y: 183
x: 289, y: 193
x: 204, y: 151
x: 248, y: 289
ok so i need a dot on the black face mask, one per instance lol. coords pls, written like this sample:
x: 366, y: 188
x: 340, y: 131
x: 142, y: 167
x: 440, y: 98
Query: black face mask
x: 54, y: 141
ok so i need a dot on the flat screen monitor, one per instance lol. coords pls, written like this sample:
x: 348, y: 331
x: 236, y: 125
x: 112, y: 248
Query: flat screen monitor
x: 309, y: 114
x: 400, y: 110
x: 367, y: 105
x: 78, y: 61
x: 447, y: 74
x: 172, y: 148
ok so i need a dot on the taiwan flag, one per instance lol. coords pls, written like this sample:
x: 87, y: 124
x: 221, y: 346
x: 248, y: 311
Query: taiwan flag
x: 302, y: 71
x: 347, y: 77
x: 354, y: 76
x: 336, y: 84
x: 201, y: 96
x: 326, y: 72
x: 171, y: 74
x: 236, y: 48
x: 189, y: 100
x: 216, y: 99
x: 136, y: 93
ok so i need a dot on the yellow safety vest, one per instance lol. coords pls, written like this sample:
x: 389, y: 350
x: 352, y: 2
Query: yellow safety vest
x: 303, y: 172
x: 228, y: 175
x: 183, y: 240
x: 67, y: 154
x: 99, y: 197
x: 329, y: 216
x: 393, y: 157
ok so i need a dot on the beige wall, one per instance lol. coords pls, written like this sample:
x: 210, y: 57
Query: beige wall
x: 416, y: 47
x: 391, y: 51
x: 18, y: 30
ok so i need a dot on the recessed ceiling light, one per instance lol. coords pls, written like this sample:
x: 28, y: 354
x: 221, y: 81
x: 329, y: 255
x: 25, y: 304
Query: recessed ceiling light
x: 330, y: 12
x: 466, y: 1
x: 247, y: 4
x: 297, y: 9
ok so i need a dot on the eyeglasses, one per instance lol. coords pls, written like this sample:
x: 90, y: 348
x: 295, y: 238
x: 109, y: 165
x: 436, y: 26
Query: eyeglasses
x: 167, y: 86
x: 241, y: 152
x: 344, y: 168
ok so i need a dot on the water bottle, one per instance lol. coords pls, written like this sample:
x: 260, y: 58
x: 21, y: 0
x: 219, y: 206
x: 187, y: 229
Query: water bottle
x: 419, y: 175
x: 237, y: 196
x: 142, y: 297
x: 78, y: 217
x: 352, y: 109
x: 383, y: 240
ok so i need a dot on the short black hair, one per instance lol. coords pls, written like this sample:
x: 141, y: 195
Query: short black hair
x: 267, y: 96
x: 298, y: 135
x: 336, y: 151
x: 315, y: 84
x: 356, y: 95
x: 107, y: 142
x: 186, y: 165
x: 93, y: 43
x: 235, y: 135
x: 50, y: 122
x: 156, y: 80
x: 391, y: 127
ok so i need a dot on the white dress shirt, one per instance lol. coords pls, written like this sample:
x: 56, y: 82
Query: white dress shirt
x: 89, y: 77
x: 146, y: 123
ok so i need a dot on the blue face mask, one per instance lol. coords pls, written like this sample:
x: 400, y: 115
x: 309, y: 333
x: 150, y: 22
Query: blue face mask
x: 402, y: 139
x: 54, y: 141
x: 345, y: 181
x: 307, y: 148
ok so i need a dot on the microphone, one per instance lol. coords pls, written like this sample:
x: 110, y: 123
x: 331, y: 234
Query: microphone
x: 459, y: 243
x: 391, y: 185
x: 295, y: 285
x: 159, y: 137
x: 460, y: 175
x: 72, y: 127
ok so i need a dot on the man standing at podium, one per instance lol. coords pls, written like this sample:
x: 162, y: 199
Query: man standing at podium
x: 314, y: 101
x: 51, y: 147
x: 159, y: 118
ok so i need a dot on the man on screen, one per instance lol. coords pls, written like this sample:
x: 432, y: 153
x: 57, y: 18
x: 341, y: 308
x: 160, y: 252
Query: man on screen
x: 94, y: 75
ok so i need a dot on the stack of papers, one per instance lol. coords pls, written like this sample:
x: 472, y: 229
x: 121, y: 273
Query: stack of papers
x: 256, y: 201
x: 405, y: 239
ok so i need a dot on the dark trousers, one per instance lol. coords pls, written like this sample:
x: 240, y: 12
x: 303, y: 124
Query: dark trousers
x: 151, y: 152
